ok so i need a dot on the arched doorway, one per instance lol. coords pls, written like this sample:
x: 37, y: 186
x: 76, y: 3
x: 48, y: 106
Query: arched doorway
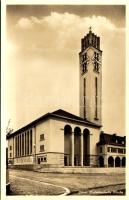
x: 67, y: 146
x: 77, y: 146
x: 86, y: 147
x: 117, y: 162
x: 101, y: 161
x: 123, y: 161
x: 110, y: 161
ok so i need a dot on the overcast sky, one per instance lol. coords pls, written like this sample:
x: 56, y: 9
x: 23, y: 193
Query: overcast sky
x: 42, y: 71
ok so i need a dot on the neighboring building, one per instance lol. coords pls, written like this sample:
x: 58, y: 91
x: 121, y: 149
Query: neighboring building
x: 60, y: 138
x: 111, y: 150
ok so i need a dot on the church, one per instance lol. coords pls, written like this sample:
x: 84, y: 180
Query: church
x: 61, y: 139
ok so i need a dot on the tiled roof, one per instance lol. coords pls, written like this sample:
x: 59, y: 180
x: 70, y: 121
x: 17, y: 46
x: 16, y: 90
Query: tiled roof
x: 62, y: 114
x: 111, y: 139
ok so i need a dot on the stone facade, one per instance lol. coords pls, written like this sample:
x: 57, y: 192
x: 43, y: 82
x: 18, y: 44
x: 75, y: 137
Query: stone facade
x: 54, y: 145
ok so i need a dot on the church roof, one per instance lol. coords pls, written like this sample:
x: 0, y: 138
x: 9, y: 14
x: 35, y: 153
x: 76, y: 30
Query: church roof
x: 113, y: 139
x: 58, y: 114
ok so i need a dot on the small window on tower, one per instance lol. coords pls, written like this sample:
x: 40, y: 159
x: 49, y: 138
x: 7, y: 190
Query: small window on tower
x: 96, y: 66
x: 84, y: 67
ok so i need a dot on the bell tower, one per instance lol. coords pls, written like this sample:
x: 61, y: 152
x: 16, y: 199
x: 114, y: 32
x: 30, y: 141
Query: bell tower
x: 90, y: 59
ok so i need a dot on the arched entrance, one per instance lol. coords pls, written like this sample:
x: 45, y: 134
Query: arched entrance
x: 77, y: 146
x: 101, y: 161
x: 86, y: 147
x: 110, y: 161
x: 123, y: 161
x: 117, y: 162
x: 67, y: 146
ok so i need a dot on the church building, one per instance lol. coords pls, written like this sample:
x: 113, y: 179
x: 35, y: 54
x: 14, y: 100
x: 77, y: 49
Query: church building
x: 61, y: 139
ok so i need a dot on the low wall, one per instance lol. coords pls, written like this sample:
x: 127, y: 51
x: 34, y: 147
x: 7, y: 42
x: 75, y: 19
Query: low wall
x: 24, y: 167
x: 82, y: 170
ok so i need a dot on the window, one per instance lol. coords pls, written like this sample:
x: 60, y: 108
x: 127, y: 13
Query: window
x: 113, y: 150
x: 10, y: 147
x: 22, y: 144
x: 96, y: 64
x: 84, y: 67
x: 41, y: 137
x: 96, y: 98
x: 10, y: 154
x: 84, y: 57
x: 120, y: 150
x: 30, y: 141
x: 41, y: 148
x: 108, y: 149
x: 45, y: 159
x: 84, y: 98
x: 42, y: 159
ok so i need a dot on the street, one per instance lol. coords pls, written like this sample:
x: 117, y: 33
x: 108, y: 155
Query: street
x: 35, y: 183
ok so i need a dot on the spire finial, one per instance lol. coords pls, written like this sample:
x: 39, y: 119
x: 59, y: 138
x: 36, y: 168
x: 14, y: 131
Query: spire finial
x: 90, y: 29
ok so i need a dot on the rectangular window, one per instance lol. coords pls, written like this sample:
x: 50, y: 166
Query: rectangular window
x: 96, y: 98
x: 30, y: 141
x: 22, y: 144
x: 10, y: 155
x: 15, y: 146
x: 45, y: 159
x: 41, y: 137
x: 18, y: 145
x: 41, y: 148
x: 108, y: 149
x: 120, y: 150
x: 10, y: 147
x: 84, y: 98
x: 27, y: 143
x: 113, y: 150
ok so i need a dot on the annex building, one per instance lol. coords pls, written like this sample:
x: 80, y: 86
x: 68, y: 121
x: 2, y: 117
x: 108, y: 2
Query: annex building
x: 62, y: 139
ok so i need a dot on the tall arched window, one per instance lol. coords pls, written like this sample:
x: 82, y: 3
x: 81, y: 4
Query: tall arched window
x: 84, y: 98
x: 96, y: 98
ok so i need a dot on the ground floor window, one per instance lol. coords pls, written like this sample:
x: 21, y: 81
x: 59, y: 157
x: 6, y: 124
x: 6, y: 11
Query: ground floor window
x: 42, y: 159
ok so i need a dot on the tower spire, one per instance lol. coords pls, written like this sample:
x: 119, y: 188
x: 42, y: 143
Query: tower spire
x: 90, y: 29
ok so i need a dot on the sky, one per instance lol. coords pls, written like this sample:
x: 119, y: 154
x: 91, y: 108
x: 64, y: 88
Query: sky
x: 42, y: 65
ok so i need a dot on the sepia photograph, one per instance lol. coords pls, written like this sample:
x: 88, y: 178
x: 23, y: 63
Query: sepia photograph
x: 64, y: 100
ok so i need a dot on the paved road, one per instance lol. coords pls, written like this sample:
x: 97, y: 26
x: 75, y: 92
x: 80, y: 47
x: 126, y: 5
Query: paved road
x: 35, y: 183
